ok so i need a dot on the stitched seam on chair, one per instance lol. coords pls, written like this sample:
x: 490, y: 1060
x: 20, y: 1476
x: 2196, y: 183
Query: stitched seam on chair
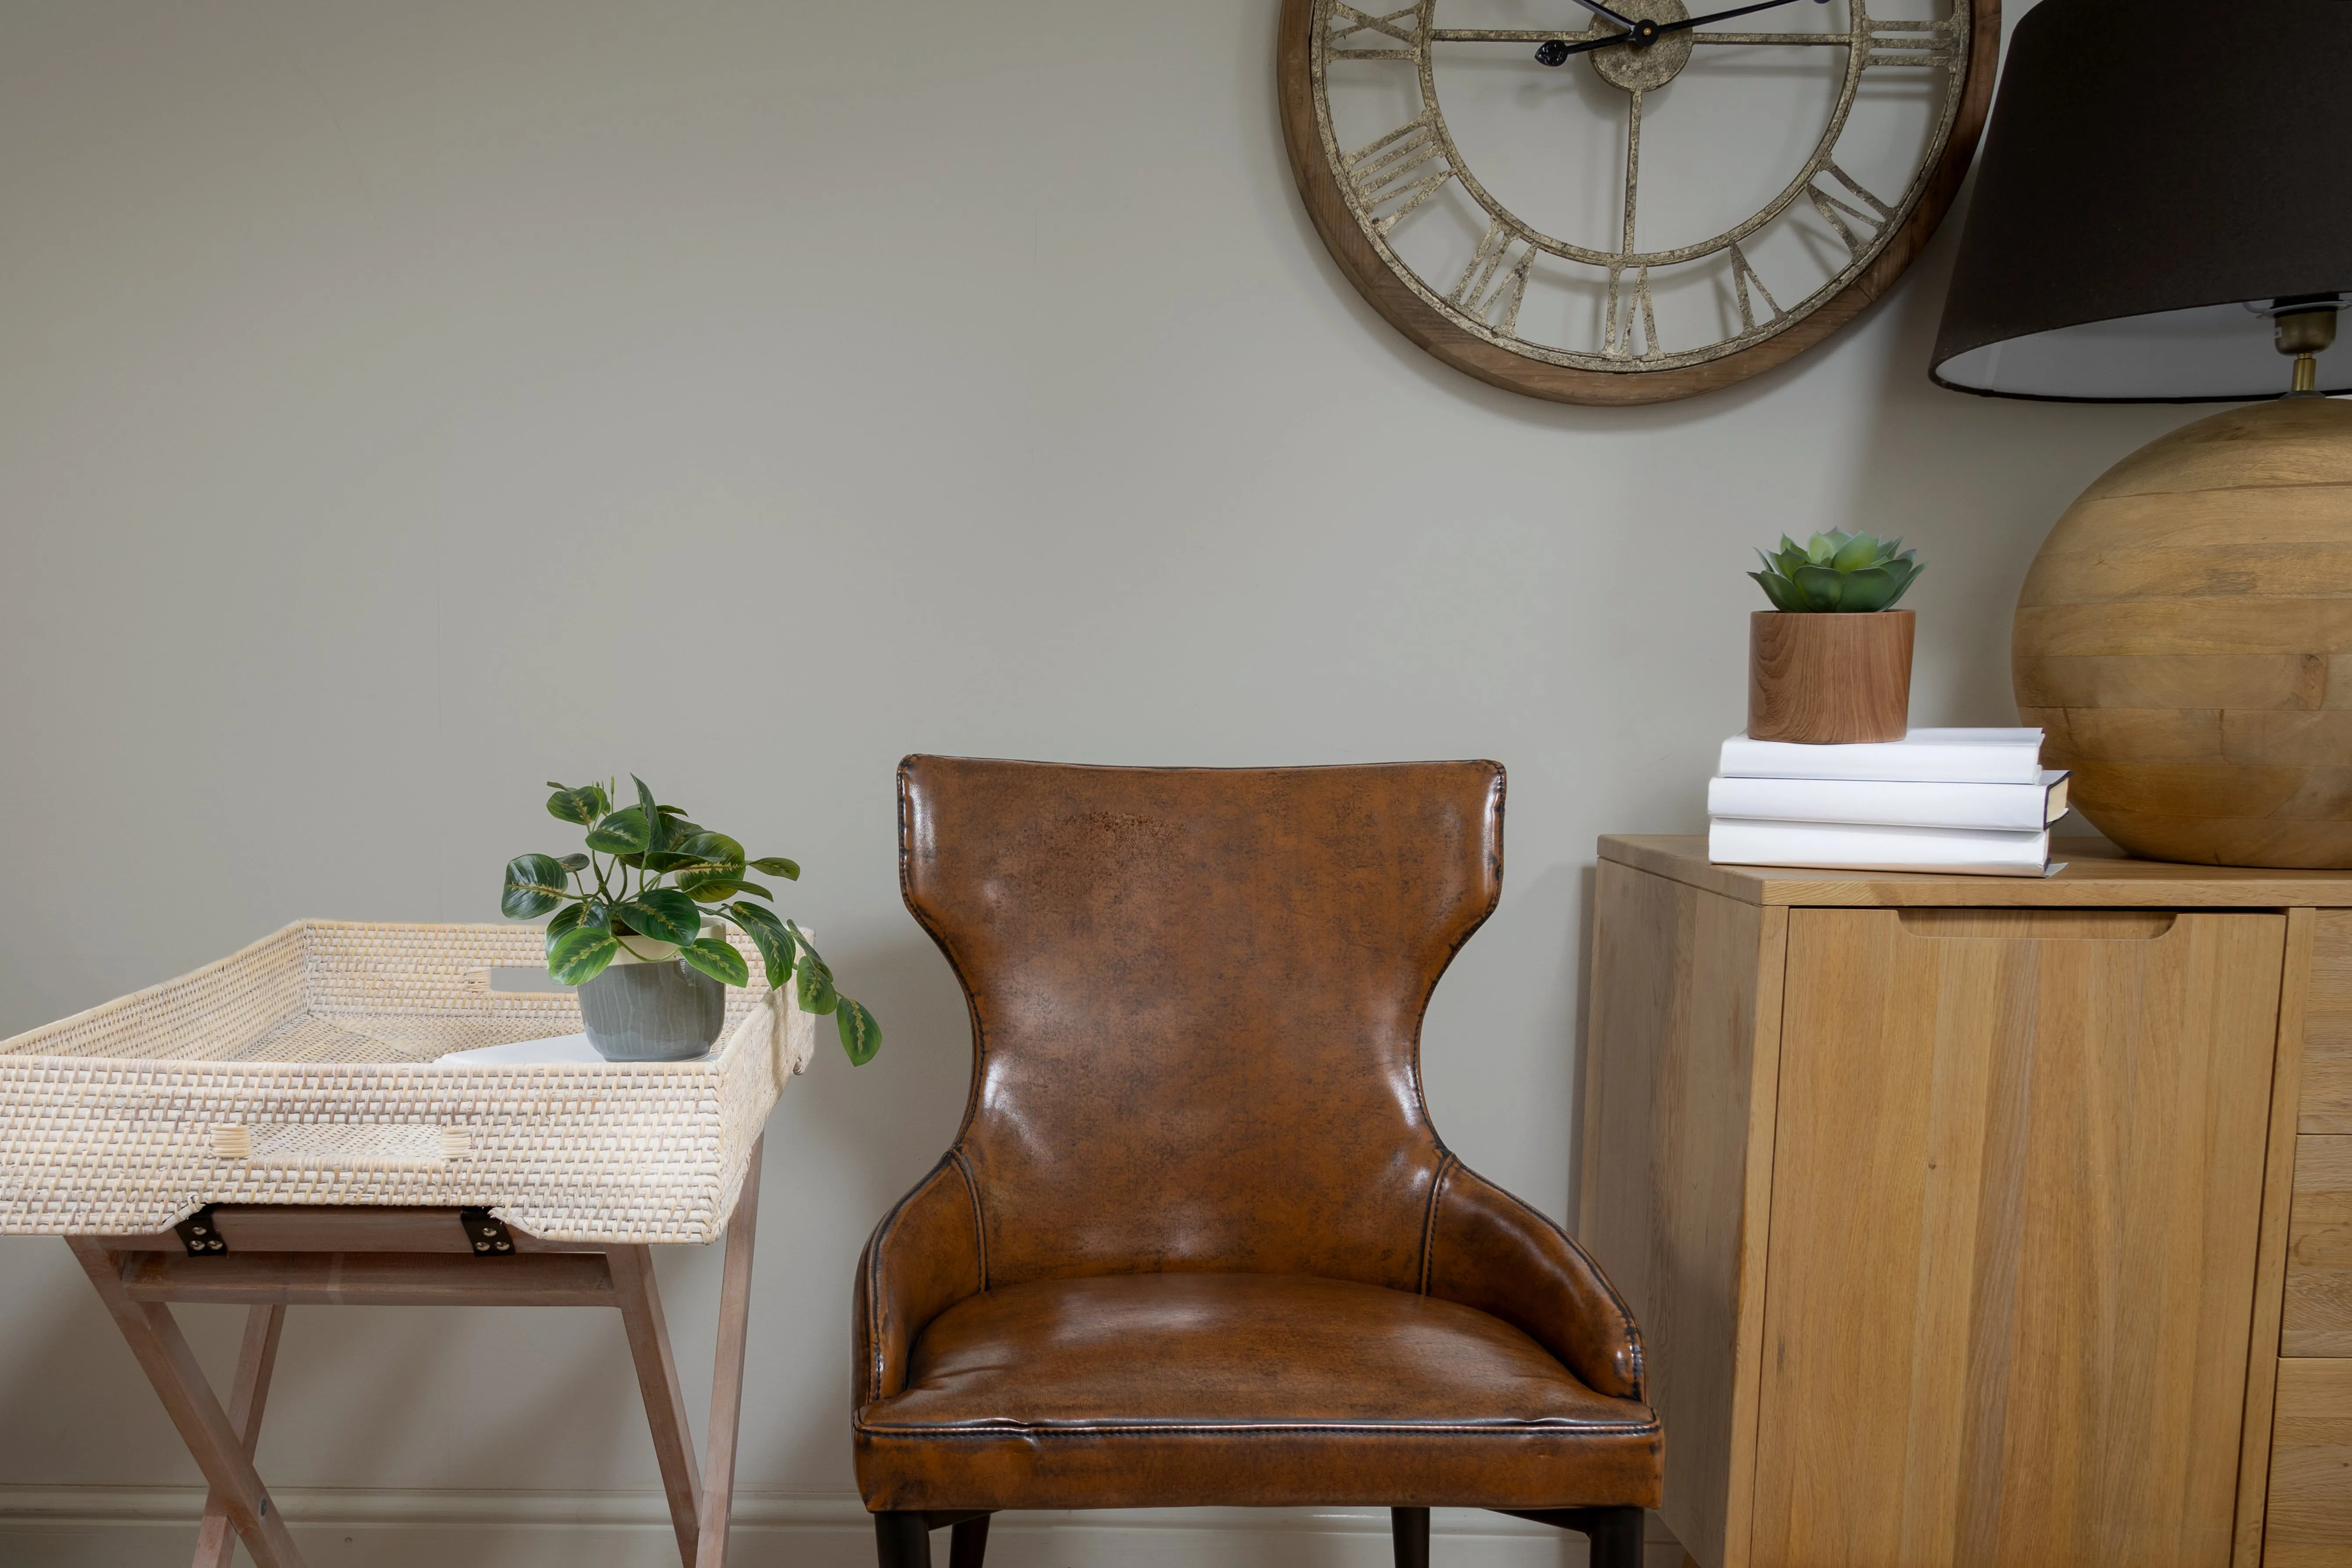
x: 978, y: 1230
x: 1227, y: 1429
x: 940, y: 941
x: 1429, y: 1222
x: 873, y: 1279
x: 1632, y: 1331
x: 1496, y: 788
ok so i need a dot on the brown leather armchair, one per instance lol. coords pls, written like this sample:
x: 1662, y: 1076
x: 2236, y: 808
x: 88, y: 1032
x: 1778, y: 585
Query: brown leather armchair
x: 1197, y: 1242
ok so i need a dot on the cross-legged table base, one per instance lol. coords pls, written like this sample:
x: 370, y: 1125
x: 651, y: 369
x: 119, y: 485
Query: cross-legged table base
x: 275, y: 1258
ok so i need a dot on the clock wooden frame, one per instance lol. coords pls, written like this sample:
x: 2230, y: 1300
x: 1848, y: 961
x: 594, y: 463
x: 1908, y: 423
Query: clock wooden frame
x: 1395, y: 299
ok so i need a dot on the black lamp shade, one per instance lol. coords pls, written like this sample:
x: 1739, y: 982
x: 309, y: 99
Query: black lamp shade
x: 2153, y: 169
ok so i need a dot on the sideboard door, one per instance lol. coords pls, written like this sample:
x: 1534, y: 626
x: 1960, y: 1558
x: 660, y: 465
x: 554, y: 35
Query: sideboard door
x: 2016, y: 1189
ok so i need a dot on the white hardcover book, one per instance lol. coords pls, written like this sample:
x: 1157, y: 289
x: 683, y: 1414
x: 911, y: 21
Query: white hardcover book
x: 1902, y: 802
x: 1927, y: 756
x: 1855, y: 847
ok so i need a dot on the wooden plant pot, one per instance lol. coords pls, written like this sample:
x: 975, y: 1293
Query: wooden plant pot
x: 1829, y: 680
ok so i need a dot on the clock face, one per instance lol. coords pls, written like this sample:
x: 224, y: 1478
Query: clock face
x: 1637, y: 206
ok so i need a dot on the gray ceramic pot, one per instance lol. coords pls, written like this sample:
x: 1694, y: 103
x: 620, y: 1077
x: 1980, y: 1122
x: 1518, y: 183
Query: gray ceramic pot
x: 666, y: 1012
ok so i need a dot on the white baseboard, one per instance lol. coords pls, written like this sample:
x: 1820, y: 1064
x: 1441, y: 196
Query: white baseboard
x: 135, y: 1527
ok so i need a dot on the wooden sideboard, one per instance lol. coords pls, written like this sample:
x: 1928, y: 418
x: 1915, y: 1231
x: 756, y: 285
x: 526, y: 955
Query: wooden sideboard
x: 1981, y: 1221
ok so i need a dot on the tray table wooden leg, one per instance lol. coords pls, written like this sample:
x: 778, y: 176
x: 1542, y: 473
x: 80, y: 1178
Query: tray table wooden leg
x: 154, y: 1337
x: 727, y: 1374
x: 639, y: 1298
x: 256, y: 1359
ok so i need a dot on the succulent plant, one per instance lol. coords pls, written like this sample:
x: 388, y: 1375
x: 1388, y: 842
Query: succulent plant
x: 1836, y: 570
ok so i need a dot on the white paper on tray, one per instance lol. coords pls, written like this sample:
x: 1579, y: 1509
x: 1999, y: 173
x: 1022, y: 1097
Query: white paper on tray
x: 565, y: 1049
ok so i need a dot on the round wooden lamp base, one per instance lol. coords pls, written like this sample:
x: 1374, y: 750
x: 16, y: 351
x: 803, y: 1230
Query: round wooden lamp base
x: 2184, y: 638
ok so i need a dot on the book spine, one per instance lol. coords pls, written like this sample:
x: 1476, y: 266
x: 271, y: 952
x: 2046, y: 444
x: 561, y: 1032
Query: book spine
x: 1891, y: 764
x: 2013, y: 808
x: 1865, y: 849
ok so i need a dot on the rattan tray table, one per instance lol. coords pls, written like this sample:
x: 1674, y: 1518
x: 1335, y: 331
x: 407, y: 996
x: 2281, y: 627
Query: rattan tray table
x: 273, y: 1130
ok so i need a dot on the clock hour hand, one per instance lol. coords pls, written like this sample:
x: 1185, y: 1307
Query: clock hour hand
x: 1597, y: 9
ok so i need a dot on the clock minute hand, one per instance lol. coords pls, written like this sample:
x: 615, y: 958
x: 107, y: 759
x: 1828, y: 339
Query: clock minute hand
x: 1640, y: 34
x: 1722, y: 16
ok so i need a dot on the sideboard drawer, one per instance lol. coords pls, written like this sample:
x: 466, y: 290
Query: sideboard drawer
x: 2310, y: 1517
x: 2327, y: 1027
x: 2318, y: 1319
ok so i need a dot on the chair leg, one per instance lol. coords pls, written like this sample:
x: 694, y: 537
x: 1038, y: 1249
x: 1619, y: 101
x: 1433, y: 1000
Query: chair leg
x: 1616, y: 1537
x: 1410, y: 1527
x: 969, y: 1544
x: 902, y: 1541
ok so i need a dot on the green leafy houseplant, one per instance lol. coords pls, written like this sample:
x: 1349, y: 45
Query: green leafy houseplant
x: 1837, y: 572
x: 651, y: 877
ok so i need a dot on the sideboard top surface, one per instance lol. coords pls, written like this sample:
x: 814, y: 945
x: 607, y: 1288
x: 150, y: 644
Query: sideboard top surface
x: 2097, y: 875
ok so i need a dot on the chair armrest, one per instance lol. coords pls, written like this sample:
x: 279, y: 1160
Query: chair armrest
x: 922, y: 1259
x: 1486, y: 1249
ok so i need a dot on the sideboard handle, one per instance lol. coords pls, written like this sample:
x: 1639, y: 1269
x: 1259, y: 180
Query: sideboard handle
x: 2029, y: 925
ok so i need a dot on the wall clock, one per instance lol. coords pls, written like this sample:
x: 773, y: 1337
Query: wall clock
x: 1634, y: 201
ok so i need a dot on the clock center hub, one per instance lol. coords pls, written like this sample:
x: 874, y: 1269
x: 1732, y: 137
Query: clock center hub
x: 1649, y: 59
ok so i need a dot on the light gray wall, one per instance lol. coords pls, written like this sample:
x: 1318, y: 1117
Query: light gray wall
x: 402, y: 405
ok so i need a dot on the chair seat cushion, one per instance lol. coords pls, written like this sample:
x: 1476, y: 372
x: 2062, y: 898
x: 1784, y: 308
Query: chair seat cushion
x: 1166, y: 1390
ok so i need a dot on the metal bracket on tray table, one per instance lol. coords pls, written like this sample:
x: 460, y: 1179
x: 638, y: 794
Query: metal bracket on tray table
x: 200, y: 1235
x: 486, y: 1234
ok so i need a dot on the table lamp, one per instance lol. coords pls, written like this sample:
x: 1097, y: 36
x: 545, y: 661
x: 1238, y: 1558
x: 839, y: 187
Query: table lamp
x: 2163, y: 214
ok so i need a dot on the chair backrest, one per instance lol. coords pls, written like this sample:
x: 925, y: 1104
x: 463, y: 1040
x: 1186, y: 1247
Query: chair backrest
x: 1196, y: 1000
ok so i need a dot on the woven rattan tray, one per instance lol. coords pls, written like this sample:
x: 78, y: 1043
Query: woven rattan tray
x: 301, y: 1071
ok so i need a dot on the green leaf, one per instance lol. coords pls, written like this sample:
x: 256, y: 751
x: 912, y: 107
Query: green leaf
x: 777, y: 866
x: 1871, y: 588
x: 815, y: 984
x: 769, y: 935
x: 624, y: 832
x: 1821, y: 547
x: 580, y: 955
x: 535, y: 884
x: 715, y: 847
x: 663, y: 914
x: 1822, y: 587
x: 717, y: 958
x: 584, y: 804
x: 861, y: 1037
x: 573, y: 862
x: 718, y: 885
x: 1779, y: 590
x: 669, y: 828
x: 565, y: 919
x: 1855, y: 553
x: 659, y: 861
x: 1911, y: 574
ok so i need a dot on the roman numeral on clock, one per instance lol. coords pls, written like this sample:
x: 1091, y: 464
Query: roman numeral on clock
x: 1836, y: 207
x: 1348, y: 38
x: 1398, y: 171
x: 1494, y: 279
x: 1624, y: 300
x: 1912, y: 43
x: 1743, y: 277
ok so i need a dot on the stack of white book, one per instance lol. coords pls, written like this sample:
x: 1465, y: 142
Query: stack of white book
x: 1936, y: 800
